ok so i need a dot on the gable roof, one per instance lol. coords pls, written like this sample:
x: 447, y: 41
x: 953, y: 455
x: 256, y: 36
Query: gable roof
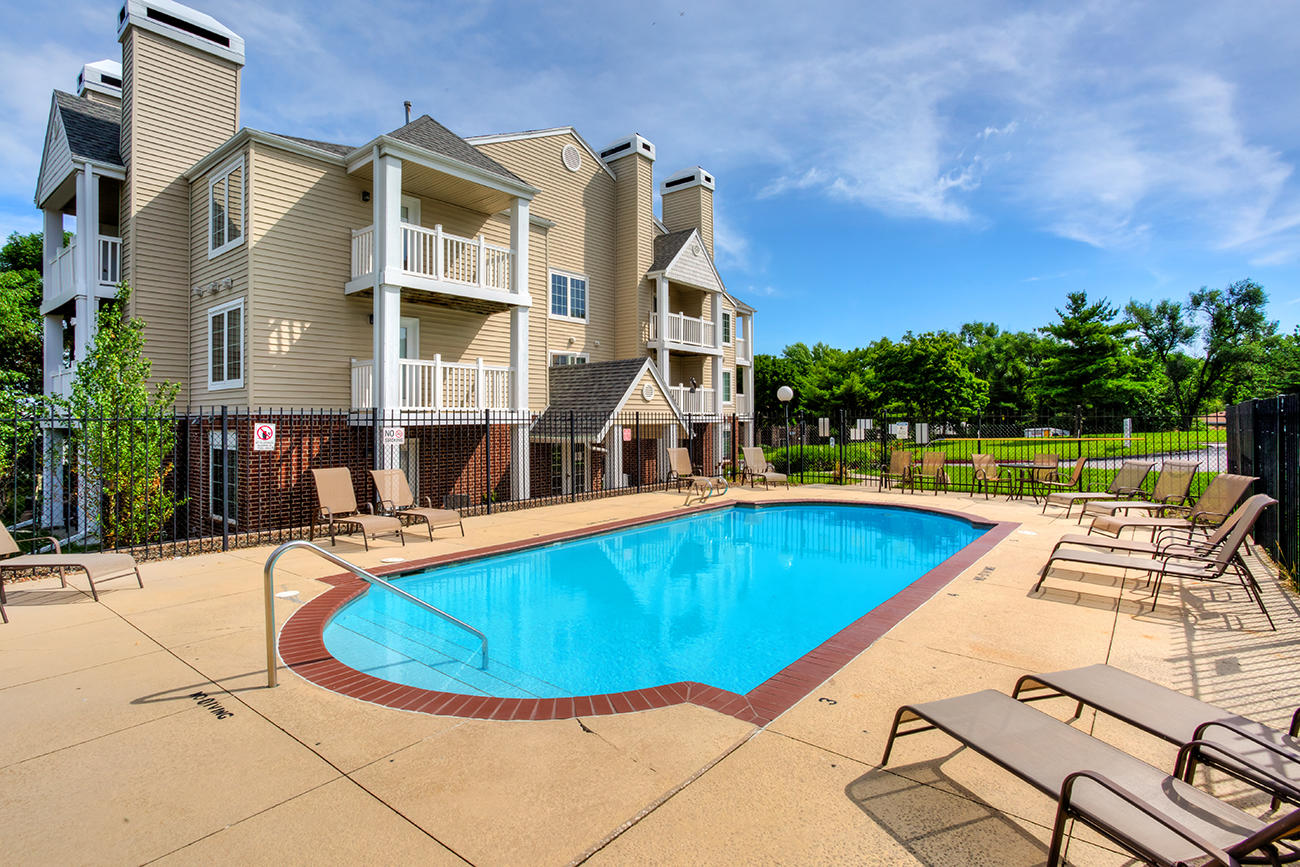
x: 94, y: 129
x: 541, y: 133
x: 593, y: 393
x: 696, y: 269
x: 668, y: 246
x: 427, y: 133
x: 329, y: 147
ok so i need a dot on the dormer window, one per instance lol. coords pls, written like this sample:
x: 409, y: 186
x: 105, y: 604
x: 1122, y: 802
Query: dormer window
x: 226, y: 208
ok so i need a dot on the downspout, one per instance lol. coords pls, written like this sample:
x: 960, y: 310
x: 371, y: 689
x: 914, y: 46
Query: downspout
x: 546, y: 318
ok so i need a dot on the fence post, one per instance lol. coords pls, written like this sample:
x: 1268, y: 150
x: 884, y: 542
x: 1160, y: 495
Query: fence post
x: 487, y: 436
x: 802, y: 436
x: 225, y: 469
x: 638, y: 451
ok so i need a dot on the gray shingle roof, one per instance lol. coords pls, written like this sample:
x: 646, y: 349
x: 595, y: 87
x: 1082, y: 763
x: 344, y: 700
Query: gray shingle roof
x: 591, y: 391
x: 328, y: 147
x: 427, y: 133
x: 94, y: 129
x: 667, y: 247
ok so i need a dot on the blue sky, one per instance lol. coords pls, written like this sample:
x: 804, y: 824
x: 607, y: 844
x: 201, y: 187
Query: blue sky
x: 913, y: 166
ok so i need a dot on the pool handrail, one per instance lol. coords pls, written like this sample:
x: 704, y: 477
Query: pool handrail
x: 268, y: 572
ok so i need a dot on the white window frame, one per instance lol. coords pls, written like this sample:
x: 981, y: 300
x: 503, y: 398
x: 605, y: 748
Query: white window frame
x: 230, y: 453
x: 224, y: 173
x: 568, y: 298
x: 221, y: 310
x: 728, y: 328
x: 728, y: 387
x: 586, y: 357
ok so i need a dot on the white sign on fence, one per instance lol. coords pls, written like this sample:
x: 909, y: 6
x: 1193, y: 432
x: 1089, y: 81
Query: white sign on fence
x: 898, y: 430
x: 1128, y: 432
x: 394, y: 436
x: 823, y: 427
x: 264, y: 437
x: 922, y: 433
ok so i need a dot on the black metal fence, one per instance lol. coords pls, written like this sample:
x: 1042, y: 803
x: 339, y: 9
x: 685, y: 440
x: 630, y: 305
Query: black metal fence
x: 1264, y: 441
x: 225, y: 477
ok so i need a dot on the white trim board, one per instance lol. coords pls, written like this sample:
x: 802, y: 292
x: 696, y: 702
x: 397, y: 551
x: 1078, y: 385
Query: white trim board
x: 541, y: 133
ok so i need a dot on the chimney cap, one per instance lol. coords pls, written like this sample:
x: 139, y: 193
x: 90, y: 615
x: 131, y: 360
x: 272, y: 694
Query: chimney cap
x: 695, y: 176
x: 633, y: 144
x: 102, y: 76
x: 183, y: 24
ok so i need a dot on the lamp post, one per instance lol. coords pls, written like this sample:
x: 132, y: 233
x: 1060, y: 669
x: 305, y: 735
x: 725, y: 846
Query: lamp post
x: 785, y: 394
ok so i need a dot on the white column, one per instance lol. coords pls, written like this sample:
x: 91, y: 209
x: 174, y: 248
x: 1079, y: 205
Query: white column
x: 387, y: 308
x: 52, y: 479
x: 520, y: 463
x: 84, y: 331
x: 715, y: 313
x: 749, y: 382
x: 52, y: 240
x: 614, y: 457
x: 661, y: 296
x: 53, y: 347
x: 519, y: 315
x: 84, y: 260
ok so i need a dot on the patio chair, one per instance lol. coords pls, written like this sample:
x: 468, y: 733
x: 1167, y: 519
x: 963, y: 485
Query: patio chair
x: 696, y: 484
x: 1209, y: 567
x: 900, y: 469
x: 1127, y: 483
x: 931, y: 468
x: 1156, y: 816
x: 988, y: 475
x: 1214, y: 505
x: 1048, y: 485
x: 338, y: 507
x: 1172, y: 487
x: 1171, y: 544
x: 97, y: 566
x: 758, y: 467
x: 395, y: 497
x: 1248, y: 750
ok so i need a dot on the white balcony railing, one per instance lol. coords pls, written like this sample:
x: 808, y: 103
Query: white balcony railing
x: 683, y: 329
x: 438, y: 255
x: 699, y: 401
x: 61, y: 274
x: 740, y: 404
x: 60, y: 382
x: 742, y: 351
x: 436, y: 385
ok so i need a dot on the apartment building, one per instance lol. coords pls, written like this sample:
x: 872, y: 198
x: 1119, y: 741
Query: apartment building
x: 418, y: 277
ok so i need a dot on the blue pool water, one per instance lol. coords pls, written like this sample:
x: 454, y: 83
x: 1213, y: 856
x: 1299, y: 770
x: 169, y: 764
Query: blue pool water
x: 726, y: 598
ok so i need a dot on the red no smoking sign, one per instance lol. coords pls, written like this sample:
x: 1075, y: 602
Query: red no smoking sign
x: 264, y: 437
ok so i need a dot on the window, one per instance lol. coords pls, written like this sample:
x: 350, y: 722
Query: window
x: 568, y: 296
x: 726, y: 442
x: 223, y: 477
x: 226, y: 209
x: 726, y: 328
x: 226, y: 346
x: 562, y: 358
x: 726, y: 386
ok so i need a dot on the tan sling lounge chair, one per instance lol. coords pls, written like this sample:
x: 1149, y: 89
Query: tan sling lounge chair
x: 1215, y: 504
x: 1157, y: 816
x: 338, y: 507
x: 1179, y: 564
x: 1250, y: 751
x: 988, y: 475
x: 98, y: 567
x: 931, y: 468
x: 1172, y: 488
x: 901, y: 464
x: 758, y: 467
x: 696, y: 485
x: 1048, y: 485
x: 1127, y: 483
x: 395, y: 497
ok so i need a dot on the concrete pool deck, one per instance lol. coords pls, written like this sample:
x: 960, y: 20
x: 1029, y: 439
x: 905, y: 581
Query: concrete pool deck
x: 140, y: 729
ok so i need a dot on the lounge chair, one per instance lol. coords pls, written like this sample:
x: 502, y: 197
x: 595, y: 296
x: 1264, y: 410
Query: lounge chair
x: 1182, y: 565
x: 988, y: 475
x: 97, y: 566
x: 1169, y: 544
x: 696, y: 484
x: 758, y: 467
x: 1171, y: 490
x: 1127, y: 483
x: 1215, y: 504
x: 338, y: 507
x: 1158, y: 817
x: 1250, y: 751
x: 394, y: 495
x: 1048, y: 485
x: 931, y: 468
x: 901, y: 464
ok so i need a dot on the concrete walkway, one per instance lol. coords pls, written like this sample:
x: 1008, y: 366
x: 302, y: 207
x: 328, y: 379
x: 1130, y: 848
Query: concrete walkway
x: 140, y: 729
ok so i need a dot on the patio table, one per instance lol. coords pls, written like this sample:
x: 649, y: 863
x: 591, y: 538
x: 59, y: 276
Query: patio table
x: 1024, y: 477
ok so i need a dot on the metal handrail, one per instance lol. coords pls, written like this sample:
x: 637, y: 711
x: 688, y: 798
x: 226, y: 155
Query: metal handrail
x: 370, y: 578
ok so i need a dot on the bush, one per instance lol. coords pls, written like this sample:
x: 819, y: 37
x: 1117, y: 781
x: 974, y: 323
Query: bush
x: 857, y: 457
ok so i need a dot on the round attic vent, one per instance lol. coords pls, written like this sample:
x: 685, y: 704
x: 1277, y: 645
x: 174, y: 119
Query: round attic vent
x: 572, y: 158
x: 647, y: 392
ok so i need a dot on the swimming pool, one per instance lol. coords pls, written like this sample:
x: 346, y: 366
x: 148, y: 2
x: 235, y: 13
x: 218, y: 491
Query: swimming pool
x: 727, y: 597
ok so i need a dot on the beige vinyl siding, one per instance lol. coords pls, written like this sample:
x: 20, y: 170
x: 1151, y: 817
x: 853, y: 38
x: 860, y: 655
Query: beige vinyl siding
x: 56, y: 161
x: 103, y: 98
x: 691, y: 208
x: 125, y: 199
x: 659, y: 403
x: 581, y: 204
x: 634, y: 236
x: 232, y: 264
x: 682, y: 366
x: 180, y: 104
x: 729, y: 349
x: 693, y: 268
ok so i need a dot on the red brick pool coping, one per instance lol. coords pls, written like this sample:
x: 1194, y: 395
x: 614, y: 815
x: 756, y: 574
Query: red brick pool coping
x: 302, y: 643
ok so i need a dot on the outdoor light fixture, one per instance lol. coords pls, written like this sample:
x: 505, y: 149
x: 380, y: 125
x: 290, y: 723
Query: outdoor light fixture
x: 785, y: 394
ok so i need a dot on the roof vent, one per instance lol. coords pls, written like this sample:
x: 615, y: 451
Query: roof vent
x: 687, y: 178
x: 186, y: 25
x: 624, y: 146
x: 102, y: 76
x: 571, y: 157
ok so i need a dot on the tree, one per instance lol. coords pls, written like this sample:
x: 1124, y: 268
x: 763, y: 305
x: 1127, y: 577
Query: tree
x: 1233, y: 332
x: 833, y: 379
x: 1086, y: 362
x: 121, y: 434
x: 770, y: 373
x: 1008, y: 361
x: 23, y: 252
x: 21, y: 324
x: 929, y: 375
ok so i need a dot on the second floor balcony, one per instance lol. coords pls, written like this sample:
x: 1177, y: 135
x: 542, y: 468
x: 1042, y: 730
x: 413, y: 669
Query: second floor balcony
x: 701, y: 401
x: 437, y: 385
x: 61, y: 281
x: 684, y: 333
x: 437, y: 260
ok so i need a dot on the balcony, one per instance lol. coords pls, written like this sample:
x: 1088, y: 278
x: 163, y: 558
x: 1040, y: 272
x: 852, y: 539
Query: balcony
x: 60, y: 283
x: 59, y: 382
x: 684, y: 334
x: 437, y: 385
x: 743, y: 351
x: 440, y: 262
x: 702, y: 401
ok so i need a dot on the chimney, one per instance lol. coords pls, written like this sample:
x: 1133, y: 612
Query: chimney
x: 101, y: 81
x: 180, y: 100
x: 632, y: 161
x: 688, y: 203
